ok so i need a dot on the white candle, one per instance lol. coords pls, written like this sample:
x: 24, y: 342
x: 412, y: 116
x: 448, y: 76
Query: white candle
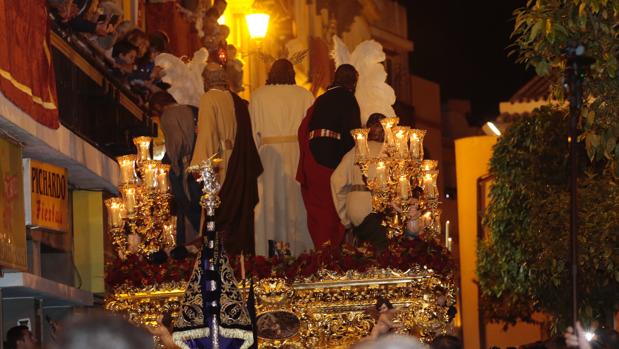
x: 361, y: 141
x: 388, y: 124
x: 129, y: 196
x: 163, y: 183
x: 416, y: 143
x: 401, y: 140
x: 127, y: 169
x: 447, y: 238
x: 429, y: 184
x: 381, y: 173
x: 143, y: 146
x: 114, y: 212
x: 404, y: 187
x: 149, y: 174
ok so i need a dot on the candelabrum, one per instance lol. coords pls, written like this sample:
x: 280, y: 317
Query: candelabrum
x: 402, y: 184
x: 139, y: 221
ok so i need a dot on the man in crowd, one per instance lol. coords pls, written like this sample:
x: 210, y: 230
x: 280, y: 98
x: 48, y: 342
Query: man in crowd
x: 276, y: 112
x: 20, y: 337
x: 178, y: 125
x: 224, y: 130
x: 324, y: 138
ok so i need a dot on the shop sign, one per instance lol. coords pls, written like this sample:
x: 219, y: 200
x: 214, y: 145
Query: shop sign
x: 47, y: 195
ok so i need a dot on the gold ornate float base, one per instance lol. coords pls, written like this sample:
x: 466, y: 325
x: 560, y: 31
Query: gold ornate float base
x: 327, y: 311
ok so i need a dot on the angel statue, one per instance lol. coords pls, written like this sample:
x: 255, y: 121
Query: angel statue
x: 185, y: 79
x: 384, y: 313
x: 373, y: 94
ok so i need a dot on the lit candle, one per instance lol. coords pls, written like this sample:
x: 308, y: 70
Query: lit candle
x: 163, y: 183
x: 388, y: 124
x: 143, y: 146
x: 426, y: 220
x: 130, y: 198
x: 114, y: 212
x: 149, y: 174
x: 405, y: 187
x: 242, y: 258
x: 447, y: 238
x: 416, y: 143
x: 401, y: 140
x: 429, y: 165
x: 381, y: 173
x: 361, y: 141
x: 127, y: 169
x: 429, y: 185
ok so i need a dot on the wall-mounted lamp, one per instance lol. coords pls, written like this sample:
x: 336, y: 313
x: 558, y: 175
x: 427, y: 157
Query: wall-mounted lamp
x: 258, y: 24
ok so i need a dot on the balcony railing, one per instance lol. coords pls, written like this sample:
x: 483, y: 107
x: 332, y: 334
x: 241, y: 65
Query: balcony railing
x: 91, y: 102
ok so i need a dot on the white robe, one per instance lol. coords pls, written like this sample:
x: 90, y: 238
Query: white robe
x: 276, y: 112
x: 352, y: 205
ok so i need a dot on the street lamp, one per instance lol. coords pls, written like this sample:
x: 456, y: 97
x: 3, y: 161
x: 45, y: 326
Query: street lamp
x: 257, y: 23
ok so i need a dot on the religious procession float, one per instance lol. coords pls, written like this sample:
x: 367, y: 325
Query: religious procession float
x: 321, y: 298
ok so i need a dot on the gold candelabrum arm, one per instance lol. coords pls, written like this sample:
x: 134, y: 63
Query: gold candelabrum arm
x: 403, y: 186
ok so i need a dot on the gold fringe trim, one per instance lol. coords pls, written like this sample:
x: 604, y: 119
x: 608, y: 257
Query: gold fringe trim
x: 180, y: 337
x: 27, y: 90
x: 245, y: 335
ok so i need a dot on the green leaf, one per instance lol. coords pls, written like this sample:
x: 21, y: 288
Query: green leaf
x: 536, y: 29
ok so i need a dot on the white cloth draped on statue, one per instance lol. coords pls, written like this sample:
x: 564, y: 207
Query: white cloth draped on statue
x: 276, y: 113
x: 352, y: 200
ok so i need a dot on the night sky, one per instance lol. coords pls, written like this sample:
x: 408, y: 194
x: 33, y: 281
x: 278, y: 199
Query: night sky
x: 463, y: 46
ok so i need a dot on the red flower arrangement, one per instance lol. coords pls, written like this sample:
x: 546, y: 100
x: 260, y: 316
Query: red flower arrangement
x: 401, y: 254
x: 138, y: 272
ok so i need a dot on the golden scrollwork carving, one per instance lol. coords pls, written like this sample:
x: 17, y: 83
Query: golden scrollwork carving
x: 328, y: 310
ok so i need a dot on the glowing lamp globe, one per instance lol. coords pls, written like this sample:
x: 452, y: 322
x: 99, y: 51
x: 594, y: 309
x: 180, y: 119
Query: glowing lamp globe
x: 257, y: 23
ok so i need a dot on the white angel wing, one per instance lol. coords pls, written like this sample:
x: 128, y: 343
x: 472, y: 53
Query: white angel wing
x: 185, y: 79
x: 340, y: 52
x: 373, y: 94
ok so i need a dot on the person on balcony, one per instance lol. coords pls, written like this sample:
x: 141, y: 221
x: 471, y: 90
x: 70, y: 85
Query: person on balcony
x: 324, y: 138
x: 276, y: 112
x: 224, y: 128
x: 124, y: 54
x: 67, y: 15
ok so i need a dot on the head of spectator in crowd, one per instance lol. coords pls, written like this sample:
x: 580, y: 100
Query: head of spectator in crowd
x: 103, y: 331
x: 20, y: 337
x: 159, y: 42
x: 346, y: 76
x: 67, y: 10
x: 281, y: 73
x: 158, y: 101
x: 446, y: 342
x: 123, y: 29
x: 124, y: 54
x: 376, y: 133
x: 139, y: 39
